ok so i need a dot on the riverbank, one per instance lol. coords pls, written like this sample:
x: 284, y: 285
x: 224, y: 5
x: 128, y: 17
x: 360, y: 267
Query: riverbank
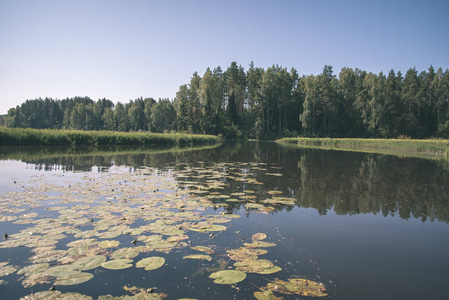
x: 402, y: 147
x: 53, y: 137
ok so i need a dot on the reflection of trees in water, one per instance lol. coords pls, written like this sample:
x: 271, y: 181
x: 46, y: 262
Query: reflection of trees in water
x: 349, y: 183
x: 82, y: 159
x: 345, y: 182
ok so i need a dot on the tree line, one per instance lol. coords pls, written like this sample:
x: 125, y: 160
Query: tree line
x: 271, y: 103
x: 83, y: 113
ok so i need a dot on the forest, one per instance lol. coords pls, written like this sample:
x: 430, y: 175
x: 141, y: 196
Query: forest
x: 266, y: 104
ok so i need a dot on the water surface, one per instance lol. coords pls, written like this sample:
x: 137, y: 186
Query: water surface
x: 366, y: 226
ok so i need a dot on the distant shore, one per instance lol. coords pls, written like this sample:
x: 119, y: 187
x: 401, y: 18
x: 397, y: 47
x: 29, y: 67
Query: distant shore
x: 407, y: 147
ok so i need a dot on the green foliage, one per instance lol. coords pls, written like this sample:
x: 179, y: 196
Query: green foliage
x: 266, y: 104
x: 52, y: 137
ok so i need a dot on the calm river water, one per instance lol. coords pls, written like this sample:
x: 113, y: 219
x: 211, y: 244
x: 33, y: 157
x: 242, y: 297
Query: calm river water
x: 365, y: 226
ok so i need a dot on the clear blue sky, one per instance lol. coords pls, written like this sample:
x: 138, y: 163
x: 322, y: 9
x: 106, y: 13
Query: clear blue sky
x: 122, y: 50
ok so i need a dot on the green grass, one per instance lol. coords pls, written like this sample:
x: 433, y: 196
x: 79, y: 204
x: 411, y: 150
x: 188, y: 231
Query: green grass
x: 403, y: 147
x: 51, y: 137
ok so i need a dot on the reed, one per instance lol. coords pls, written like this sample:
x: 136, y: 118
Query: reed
x: 433, y: 147
x: 52, y: 137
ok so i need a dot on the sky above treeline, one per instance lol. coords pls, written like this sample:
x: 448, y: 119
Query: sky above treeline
x: 122, y: 50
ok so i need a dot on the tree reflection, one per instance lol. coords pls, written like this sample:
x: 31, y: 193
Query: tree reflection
x: 351, y: 183
x: 347, y: 183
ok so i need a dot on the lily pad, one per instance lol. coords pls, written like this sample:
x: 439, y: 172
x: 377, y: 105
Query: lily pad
x: 298, y: 286
x: 267, y: 295
x: 244, y: 253
x: 274, y: 192
x: 75, y: 296
x: 259, y: 244
x: 177, y: 238
x: 125, y: 253
x: 48, y: 256
x: 90, y: 262
x: 274, y: 174
x: 253, y: 265
x: 86, y: 234
x: 151, y: 263
x: 272, y: 270
x: 44, y: 295
x: 198, y: 256
x: 78, y: 251
x: 109, y: 244
x: 117, y: 264
x: 7, y: 269
x: 62, y: 271
x: 204, y: 249
x: 259, y: 236
x: 33, y: 269
x: 228, y: 276
x: 33, y: 279
x: 74, y: 278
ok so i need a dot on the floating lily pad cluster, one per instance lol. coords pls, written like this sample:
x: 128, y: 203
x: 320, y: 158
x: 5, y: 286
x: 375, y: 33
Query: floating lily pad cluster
x: 247, y: 257
x: 212, y: 182
x: 293, y: 286
x: 120, y: 220
x: 138, y: 294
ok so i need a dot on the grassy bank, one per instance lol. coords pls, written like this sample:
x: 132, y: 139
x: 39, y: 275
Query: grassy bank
x: 50, y: 137
x: 405, y: 147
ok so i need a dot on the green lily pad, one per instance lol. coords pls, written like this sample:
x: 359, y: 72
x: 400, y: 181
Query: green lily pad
x: 151, y: 263
x: 253, y: 265
x: 86, y: 234
x: 48, y: 255
x: 7, y: 269
x: 74, y: 278
x: 198, y: 256
x: 33, y: 279
x: 207, y: 226
x: 89, y: 262
x: 177, y: 238
x: 267, y: 295
x: 108, y: 244
x: 204, y: 249
x: 52, y: 295
x: 244, y: 253
x: 271, y: 270
x: 109, y: 297
x: 253, y: 205
x: 274, y: 192
x: 117, y: 264
x: 298, y: 286
x: 232, y: 216
x: 75, y: 296
x: 62, y: 271
x: 33, y: 269
x: 259, y: 244
x: 238, y: 194
x: 7, y: 218
x: 259, y: 236
x: 78, y: 251
x: 228, y: 276
x: 126, y: 253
